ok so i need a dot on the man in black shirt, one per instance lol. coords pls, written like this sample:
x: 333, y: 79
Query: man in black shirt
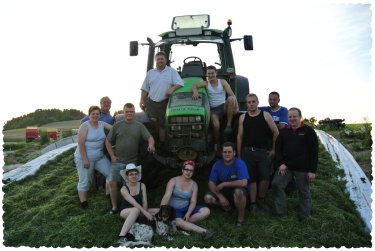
x: 296, y: 155
x: 255, y: 131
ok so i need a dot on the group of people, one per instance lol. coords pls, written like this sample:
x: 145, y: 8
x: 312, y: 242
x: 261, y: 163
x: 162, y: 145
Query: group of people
x: 272, y: 145
x: 181, y: 191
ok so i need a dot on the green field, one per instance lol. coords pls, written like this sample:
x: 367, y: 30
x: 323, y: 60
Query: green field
x: 16, y: 135
x: 43, y: 210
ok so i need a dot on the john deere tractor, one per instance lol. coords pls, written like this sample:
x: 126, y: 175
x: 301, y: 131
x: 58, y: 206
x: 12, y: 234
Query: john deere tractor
x: 191, y: 46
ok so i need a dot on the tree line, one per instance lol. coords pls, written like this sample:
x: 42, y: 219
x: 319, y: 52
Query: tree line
x: 42, y: 117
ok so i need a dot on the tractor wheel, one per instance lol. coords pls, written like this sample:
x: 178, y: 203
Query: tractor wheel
x: 242, y: 90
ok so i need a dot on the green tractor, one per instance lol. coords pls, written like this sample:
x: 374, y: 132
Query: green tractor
x: 187, y: 120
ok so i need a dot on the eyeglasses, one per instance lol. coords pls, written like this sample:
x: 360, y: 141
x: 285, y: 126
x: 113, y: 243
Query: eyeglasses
x: 188, y: 170
x: 133, y: 174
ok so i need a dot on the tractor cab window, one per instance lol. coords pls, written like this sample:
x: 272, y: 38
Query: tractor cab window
x: 207, y: 53
x: 191, y: 21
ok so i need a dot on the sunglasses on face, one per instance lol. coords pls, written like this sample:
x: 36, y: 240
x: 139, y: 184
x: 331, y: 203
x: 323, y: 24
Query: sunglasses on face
x: 188, y: 170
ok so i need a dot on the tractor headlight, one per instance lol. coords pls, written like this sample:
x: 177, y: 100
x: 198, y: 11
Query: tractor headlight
x: 175, y: 128
x: 196, y: 127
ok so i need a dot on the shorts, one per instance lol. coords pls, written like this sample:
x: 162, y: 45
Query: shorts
x: 218, y: 111
x: 116, y: 167
x: 228, y: 193
x: 180, y: 212
x: 258, y: 163
x: 156, y: 110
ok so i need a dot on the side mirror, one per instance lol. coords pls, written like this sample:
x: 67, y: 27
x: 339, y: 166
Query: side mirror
x: 133, y: 49
x: 248, y: 42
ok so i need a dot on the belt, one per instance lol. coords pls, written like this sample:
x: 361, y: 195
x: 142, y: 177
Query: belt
x: 253, y: 148
x: 158, y: 101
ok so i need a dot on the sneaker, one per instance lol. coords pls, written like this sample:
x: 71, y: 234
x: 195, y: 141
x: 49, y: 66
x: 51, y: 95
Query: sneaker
x: 207, y: 234
x: 302, y: 218
x: 263, y: 205
x: 238, y: 223
x: 84, y: 205
x: 253, y: 208
x: 279, y: 215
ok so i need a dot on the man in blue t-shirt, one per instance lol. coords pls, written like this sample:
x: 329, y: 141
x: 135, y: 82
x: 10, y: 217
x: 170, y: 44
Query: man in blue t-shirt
x: 105, y: 115
x: 279, y: 113
x: 228, y: 183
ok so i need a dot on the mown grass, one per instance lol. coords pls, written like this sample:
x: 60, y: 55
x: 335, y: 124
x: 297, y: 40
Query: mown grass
x: 16, y: 135
x: 43, y: 210
x: 21, y: 152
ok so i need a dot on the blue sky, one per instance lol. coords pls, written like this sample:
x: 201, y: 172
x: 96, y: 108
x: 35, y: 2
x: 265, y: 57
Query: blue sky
x: 68, y: 54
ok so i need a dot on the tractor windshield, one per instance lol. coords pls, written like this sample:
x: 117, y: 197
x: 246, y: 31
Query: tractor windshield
x: 206, y: 52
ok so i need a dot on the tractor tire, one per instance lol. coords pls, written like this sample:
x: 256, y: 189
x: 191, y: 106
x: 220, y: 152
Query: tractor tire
x: 242, y: 90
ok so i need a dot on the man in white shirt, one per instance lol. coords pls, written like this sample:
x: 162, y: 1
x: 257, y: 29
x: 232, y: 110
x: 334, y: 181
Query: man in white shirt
x: 219, y: 104
x: 158, y: 85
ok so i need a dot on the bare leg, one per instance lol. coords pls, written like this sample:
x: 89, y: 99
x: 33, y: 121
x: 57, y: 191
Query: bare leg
x: 263, y: 187
x: 82, y: 196
x: 240, y: 203
x: 230, y: 108
x: 216, y: 126
x: 113, y: 191
x: 188, y: 226
x: 202, y: 214
x: 253, y: 192
x: 130, y: 215
x: 107, y: 188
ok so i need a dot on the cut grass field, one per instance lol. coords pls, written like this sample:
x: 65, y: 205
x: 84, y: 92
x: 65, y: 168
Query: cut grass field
x: 19, y: 134
x: 43, y: 210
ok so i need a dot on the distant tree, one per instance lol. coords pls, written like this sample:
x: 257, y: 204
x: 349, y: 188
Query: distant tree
x: 41, y: 117
x: 118, y: 112
x: 313, y: 120
x: 44, y: 139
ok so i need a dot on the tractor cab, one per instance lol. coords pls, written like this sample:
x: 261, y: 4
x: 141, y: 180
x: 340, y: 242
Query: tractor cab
x: 191, y: 46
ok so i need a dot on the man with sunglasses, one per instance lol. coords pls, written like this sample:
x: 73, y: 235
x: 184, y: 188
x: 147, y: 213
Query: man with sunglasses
x: 228, y: 183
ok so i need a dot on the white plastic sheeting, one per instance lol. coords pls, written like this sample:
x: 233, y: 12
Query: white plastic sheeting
x: 31, y: 167
x: 357, y: 183
x: 60, y: 143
